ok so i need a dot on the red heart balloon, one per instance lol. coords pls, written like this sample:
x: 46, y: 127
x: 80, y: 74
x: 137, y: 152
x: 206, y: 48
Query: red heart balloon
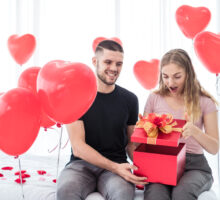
x: 100, y: 39
x: 66, y: 90
x: 147, y: 73
x: 19, y: 120
x: 96, y: 41
x: 192, y: 20
x: 28, y: 80
x: 21, y: 48
x: 207, y: 48
x: 116, y: 40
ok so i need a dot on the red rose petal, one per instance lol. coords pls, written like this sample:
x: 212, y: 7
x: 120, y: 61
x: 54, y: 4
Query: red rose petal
x: 41, y: 172
x: 25, y: 176
x: 54, y: 180
x: 7, y: 168
x: 1, y: 175
x: 18, y: 172
x: 18, y: 180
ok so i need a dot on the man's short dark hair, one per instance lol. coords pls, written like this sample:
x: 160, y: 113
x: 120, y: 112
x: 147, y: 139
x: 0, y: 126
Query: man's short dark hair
x: 110, y: 45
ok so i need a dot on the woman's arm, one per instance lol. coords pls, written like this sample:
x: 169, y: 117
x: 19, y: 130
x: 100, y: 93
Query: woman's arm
x: 210, y: 140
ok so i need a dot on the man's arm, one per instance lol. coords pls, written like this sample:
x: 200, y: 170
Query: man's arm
x: 131, y: 146
x: 82, y: 150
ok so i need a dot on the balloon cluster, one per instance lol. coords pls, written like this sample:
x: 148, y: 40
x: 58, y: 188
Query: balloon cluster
x: 192, y: 21
x: 59, y: 92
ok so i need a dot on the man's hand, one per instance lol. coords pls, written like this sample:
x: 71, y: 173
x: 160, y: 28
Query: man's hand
x: 124, y: 170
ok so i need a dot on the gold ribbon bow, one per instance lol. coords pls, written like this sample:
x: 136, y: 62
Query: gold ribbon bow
x: 153, y: 123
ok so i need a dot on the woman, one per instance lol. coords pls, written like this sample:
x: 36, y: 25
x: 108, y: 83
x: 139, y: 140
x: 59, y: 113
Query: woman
x: 181, y: 95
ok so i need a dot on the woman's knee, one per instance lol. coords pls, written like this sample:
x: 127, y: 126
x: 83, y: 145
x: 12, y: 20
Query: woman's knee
x: 185, y: 192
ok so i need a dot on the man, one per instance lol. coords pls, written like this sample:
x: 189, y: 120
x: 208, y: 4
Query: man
x: 100, y: 138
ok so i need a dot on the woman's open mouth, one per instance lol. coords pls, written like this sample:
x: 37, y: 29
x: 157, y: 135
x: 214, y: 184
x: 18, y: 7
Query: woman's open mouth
x: 173, y: 89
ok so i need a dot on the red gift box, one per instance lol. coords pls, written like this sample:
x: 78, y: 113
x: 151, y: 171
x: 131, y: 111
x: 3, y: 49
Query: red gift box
x: 163, y: 162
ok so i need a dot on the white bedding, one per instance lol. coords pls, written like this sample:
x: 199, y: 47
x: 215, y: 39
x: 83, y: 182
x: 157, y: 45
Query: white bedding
x: 39, y: 187
x: 42, y: 187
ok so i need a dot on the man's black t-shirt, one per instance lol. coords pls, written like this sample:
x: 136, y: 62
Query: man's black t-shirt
x: 106, y: 123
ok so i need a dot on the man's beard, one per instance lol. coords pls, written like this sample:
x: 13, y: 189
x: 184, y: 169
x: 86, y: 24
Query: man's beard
x: 103, y: 78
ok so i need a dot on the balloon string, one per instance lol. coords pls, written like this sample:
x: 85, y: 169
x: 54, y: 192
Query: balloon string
x: 21, y: 178
x: 217, y: 84
x: 65, y: 144
x: 218, y: 93
x: 58, y: 157
x: 53, y: 149
x: 50, y: 151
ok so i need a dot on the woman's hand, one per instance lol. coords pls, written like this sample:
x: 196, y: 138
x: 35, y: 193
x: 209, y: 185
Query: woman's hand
x: 189, y: 129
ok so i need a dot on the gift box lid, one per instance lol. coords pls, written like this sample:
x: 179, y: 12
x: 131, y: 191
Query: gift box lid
x: 172, y: 139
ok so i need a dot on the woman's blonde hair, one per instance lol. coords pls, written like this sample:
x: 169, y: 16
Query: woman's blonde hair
x: 192, y: 89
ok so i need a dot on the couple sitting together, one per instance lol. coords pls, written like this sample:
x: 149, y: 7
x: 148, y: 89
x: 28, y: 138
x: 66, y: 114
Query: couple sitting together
x: 100, y: 139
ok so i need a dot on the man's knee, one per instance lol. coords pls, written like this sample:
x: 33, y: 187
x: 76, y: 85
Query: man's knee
x: 61, y: 191
x: 123, y: 191
x: 117, y: 188
x: 68, y: 191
